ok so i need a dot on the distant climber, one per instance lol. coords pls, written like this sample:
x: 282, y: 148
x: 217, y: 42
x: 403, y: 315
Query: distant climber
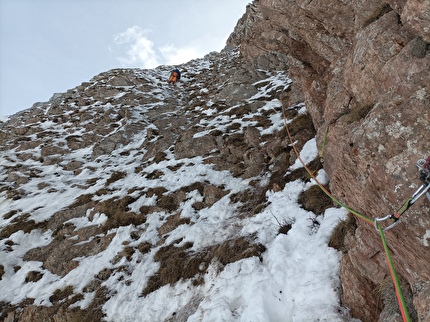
x: 174, y: 76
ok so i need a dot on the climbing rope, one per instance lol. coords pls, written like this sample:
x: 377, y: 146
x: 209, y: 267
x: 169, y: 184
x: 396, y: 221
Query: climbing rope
x: 408, y: 203
x: 398, y: 290
x: 312, y: 175
x: 399, y: 294
x: 323, y: 145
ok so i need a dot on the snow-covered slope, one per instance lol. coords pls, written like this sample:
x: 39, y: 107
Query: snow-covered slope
x: 126, y: 199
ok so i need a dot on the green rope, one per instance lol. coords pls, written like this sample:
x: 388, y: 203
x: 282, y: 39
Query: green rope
x: 324, y: 143
x: 369, y: 221
x: 399, y: 294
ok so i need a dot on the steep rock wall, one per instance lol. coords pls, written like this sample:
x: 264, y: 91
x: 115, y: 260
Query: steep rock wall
x: 363, y: 68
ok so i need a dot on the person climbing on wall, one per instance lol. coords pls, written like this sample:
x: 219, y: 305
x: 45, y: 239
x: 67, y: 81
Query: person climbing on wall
x: 175, y: 75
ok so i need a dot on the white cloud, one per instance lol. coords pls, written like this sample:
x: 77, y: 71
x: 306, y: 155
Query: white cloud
x: 139, y: 48
x: 134, y: 48
x: 173, y: 55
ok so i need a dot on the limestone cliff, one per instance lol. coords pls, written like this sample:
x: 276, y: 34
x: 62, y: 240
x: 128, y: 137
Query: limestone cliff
x: 363, y: 68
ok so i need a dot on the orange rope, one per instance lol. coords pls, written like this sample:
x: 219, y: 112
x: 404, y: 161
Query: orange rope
x: 368, y: 220
x: 399, y: 294
x: 398, y: 290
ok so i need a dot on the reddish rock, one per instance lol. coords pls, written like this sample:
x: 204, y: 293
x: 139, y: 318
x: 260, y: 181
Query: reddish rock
x: 363, y: 68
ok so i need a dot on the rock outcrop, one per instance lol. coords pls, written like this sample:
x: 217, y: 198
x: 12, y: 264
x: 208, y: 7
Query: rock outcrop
x: 125, y: 189
x: 363, y: 68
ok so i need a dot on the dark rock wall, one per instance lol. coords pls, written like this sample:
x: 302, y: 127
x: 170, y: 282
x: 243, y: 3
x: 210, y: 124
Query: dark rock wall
x: 363, y: 68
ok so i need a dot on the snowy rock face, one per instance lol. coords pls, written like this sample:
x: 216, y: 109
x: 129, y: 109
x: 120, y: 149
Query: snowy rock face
x: 127, y: 199
x: 363, y: 67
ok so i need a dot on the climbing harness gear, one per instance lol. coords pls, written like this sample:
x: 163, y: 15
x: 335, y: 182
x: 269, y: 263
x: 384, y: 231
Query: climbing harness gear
x: 408, y: 203
x: 422, y: 190
x: 424, y: 166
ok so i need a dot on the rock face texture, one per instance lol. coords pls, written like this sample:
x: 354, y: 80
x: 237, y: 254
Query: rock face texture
x: 125, y: 189
x: 363, y: 68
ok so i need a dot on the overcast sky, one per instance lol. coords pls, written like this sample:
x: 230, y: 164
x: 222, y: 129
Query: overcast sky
x: 50, y: 46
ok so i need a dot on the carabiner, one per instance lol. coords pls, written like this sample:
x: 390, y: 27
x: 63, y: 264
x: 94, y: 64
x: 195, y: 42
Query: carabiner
x: 377, y: 220
x: 423, y: 189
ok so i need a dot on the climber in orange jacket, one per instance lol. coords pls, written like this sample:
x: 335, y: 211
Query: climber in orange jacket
x: 174, y: 76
